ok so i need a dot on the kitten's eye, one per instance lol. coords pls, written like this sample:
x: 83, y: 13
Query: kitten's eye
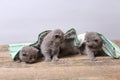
x: 24, y: 54
x: 57, y: 36
x: 96, y: 40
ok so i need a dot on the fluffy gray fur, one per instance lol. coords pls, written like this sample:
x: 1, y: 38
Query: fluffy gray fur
x: 28, y: 54
x: 93, y: 44
x: 50, y: 46
x: 67, y: 48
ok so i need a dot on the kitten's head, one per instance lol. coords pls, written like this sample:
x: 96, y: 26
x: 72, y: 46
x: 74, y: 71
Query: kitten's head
x: 58, y: 35
x: 28, y: 54
x: 93, y: 40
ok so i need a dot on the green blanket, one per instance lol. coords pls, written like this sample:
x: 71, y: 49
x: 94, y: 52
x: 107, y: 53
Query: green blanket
x: 108, y: 47
x: 15, y: 48
x: 73, y: 34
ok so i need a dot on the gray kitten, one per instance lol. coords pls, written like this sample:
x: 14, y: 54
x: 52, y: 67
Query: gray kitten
x: 50, y: 45
x: 93, y: 44
x: 68, y: 48
x: 28, y: 54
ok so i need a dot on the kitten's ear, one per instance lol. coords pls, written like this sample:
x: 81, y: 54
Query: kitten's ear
x: 36, y: 50
x: 96, y: 40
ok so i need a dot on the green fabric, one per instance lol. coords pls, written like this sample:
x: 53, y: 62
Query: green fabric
x: 15, y: 48
x: 81, y: 39
x: 72, y: 34
x: 110, y: 48
x: 40, y: 38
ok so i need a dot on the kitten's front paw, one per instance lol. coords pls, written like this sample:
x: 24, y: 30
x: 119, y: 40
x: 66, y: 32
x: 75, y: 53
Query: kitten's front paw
x: 94, y: 59
x: 47, y: 60
x: 55, y: 59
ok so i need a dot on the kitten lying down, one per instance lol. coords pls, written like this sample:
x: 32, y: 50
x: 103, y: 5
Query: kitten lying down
x: 28, y: 54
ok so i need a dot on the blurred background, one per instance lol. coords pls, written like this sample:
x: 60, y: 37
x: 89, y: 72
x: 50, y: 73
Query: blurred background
x: 22, y: 20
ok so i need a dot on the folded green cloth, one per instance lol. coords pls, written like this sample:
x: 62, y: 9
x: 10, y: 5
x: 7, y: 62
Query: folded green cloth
x: 81, y: 39
x: 110, y: 48
x: 71, y: 33
x: 15, y: 48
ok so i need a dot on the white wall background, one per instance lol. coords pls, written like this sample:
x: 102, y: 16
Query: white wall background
x: 22, y: 20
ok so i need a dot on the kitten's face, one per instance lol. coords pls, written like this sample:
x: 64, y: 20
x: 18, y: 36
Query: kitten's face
x: 93, y: 40
x: 58, y: 36
x: 28, y: 54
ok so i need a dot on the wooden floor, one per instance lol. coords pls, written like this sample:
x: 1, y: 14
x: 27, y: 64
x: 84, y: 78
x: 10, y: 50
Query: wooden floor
x: 71, y: 68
